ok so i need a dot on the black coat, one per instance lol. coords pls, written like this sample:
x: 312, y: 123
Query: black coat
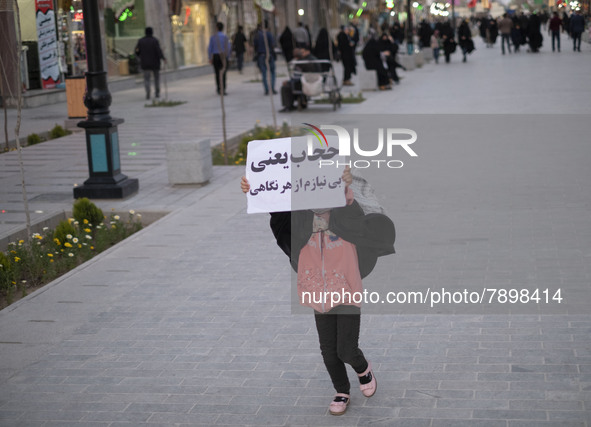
x: 148, y: 49
x: 372, y: 234
x: 321, y: 48
x: 465, y: 37
x: 287, y: 43
x: 346, y: 51
x: 371, y: 55
x: 534, y: 35
x: 425, y: 33
x: 239, y: 42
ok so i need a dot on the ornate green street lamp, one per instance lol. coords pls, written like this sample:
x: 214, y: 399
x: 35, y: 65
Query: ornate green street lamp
x: 102, y: 139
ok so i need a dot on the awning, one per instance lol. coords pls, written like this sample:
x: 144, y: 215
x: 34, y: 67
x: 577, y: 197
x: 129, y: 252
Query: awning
x: 266, y: 5
x: 119, y: 6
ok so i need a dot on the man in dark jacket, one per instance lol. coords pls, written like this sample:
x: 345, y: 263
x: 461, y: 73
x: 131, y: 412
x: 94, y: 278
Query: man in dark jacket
x: 148, y: 49
x: 265, y: 54
x: 554, y: 29
x: 577, y: 26
x: 239, y: 46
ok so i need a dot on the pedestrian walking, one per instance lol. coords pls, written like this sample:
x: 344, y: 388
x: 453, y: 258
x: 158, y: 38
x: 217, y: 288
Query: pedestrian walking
x: 265, y: 53
x: 425, y: 33
x: 554, y: 29
x: 448, y: 42
x: 219, y: 50
x: 301, y: 36
x: 483, y: 29
x: 523, y: 23
x: 577, y: 26
x: 492, y: 32
x: 435, y: 45
x: 516, y: 36
x: 465, y: 39
x: 534, y: 34
x: 287, y: 44
x: 239, y: 46
x: 327, y: 248
x: 347, y: 55
x: 148, y: 49
x: 505, y: 27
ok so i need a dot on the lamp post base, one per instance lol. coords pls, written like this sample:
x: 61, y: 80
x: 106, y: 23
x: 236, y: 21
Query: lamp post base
x: 119, y: 190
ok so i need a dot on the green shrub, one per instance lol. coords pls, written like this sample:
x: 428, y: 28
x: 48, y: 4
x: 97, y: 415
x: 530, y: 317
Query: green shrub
x: 84, y: 209
x: 33, y: 139
x: 44, y: 257
x: 64, y: 229
x: 238, y: 156
x: 58, y: 132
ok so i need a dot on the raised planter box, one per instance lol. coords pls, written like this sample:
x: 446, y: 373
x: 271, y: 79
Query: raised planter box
x: 407, y: 61
x: 189, y: 162
x: 367, y: 79
x: 419, y: 59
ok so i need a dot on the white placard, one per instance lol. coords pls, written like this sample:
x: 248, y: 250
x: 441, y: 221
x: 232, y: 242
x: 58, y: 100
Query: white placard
x: 47, y: 44
x: 289, y: 174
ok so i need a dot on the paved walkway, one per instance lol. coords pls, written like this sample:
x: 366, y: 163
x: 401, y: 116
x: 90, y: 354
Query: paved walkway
x: 189, y: 322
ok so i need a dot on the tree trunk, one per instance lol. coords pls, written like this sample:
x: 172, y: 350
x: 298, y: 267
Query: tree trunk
x: 19, y: 107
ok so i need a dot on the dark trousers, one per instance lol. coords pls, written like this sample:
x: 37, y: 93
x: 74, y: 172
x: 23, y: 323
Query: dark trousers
x: 392, y: 64
x: 576, y: 40
x: 339, y: 344
x: 506, y: 38
x: 347, y: 71
x: 147, y: 75
x: 239, y: 60
x: 217, y: 66
x: 262, y: 64
x: 556, y: 36
x: 287, y: 96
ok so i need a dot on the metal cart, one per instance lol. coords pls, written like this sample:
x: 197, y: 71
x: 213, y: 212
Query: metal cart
x: 312, y: 79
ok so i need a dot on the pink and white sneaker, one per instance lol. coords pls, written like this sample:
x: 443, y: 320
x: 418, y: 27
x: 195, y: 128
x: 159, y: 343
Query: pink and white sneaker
x: 368, y: 384
x: 339, y: 405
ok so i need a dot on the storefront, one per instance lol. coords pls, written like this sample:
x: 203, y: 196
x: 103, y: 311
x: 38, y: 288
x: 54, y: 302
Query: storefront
x: 70, y: 24
x: 191, y: 30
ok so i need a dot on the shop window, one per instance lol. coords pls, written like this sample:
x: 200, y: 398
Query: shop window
x: 191, y: 32
x: 124, y: 26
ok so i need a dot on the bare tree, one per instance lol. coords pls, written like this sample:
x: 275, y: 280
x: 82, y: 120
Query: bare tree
x: 19, y: 106
x: 267, y: 60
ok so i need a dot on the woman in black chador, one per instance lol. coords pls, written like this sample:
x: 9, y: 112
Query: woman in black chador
x: 465, y: 39
x: 287, y: 43
x: 372, y: 56
x: 347, y: 54
x: 323, y: 44
x: 534, y: 35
